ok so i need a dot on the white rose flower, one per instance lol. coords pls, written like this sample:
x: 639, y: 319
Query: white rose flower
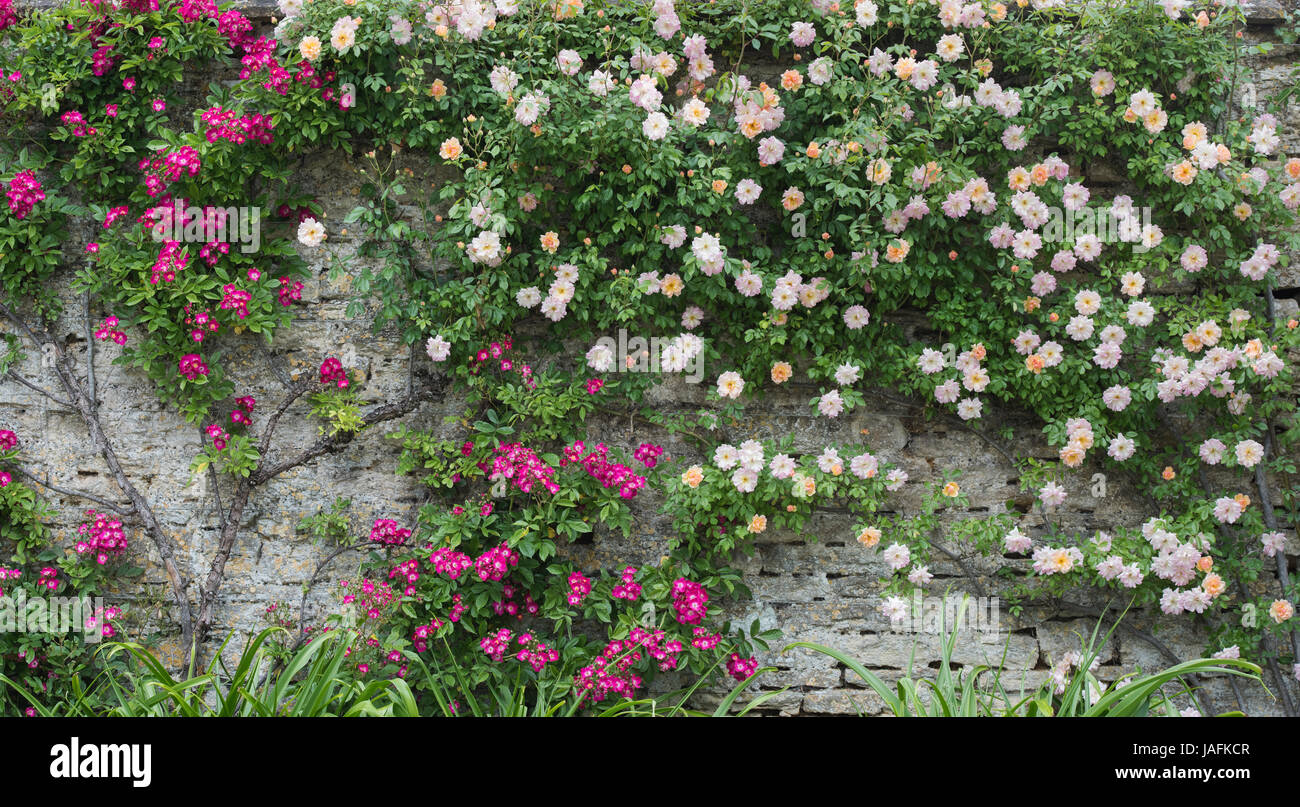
x: 438, y: 348
x: 311, y: 232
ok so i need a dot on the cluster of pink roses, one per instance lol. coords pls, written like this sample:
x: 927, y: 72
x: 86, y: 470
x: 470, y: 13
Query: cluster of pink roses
x: 579, y: 587
x: 387, y: 532
x: 49, y: 578
x: 741, y: 668
x: 8, y: 440
x: 169, y: 167
x: 242, y: 414
x: 422, y: 633
x: 192, y: 366
x: 627, y: 588
x: 109, y: 330
x: 508, y: 605
x: 100, y: 619
x: 372, y: 599
x: 496, y: 562
x: 408, y: 572
x: 648, y: 454
x: 24, y: 192
x: 8, y: 574
x: 331, y: 372
x: 225, y: 124
x: 610, y: 673
x: 290, y: 291
x: 78, y: 123
x: 522, y: 468
x: 100, y: 536
x: 449, y: 562
x: 597, y: 464
x: 171, y: 259
x: 690, y: 601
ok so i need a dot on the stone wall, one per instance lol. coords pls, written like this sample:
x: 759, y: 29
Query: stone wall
x: 820, y: 586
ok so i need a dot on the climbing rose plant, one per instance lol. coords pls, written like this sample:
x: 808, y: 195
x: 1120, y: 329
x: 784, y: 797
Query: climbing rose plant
x: 779, y: 189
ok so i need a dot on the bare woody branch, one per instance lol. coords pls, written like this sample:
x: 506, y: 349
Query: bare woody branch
x: 264, y: 474
x: 120, y: 509
x: 85, y: 407
x: 12, y: 376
